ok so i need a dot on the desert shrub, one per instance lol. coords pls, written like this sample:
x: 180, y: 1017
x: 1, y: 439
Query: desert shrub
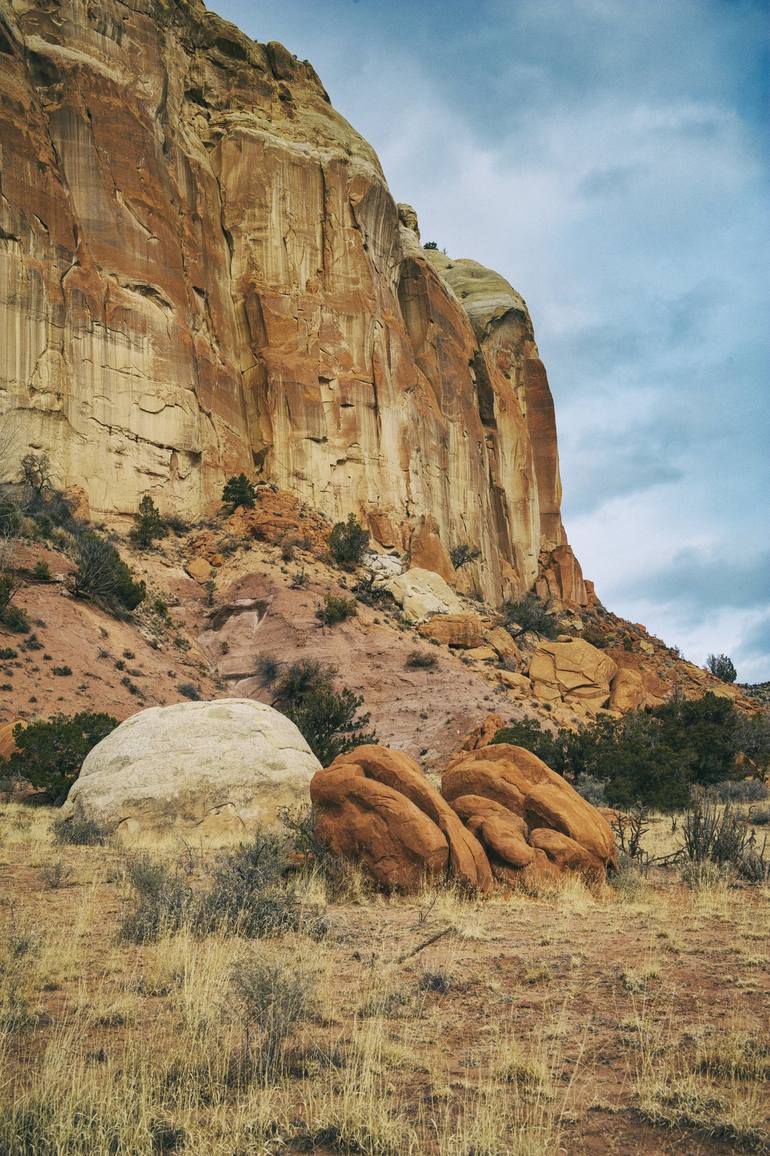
x: 177, y: 525
x: 249, y: 894
x: 268, y: 668
x: 50, y: 752
x: 62, y: 671
x: 430, y: 245
x: 11, y: 617
x: 530, y: 614
x: 717, y: 834
x: 367, y: 592
x: 759, y: 816
x: 36, y: 474
x: 742, y: 791
x: 593, y: 635
x: 650, y: 756
x: 421, y: 660
x: 56, y: 874
x: 274, y: 998
x: 42, y: 572
x: 149, y: 524
x: 328, y: 719
x: 335, y: 609
x: 753, y: 738
x: 461, y: 555
x: 592, y: 790
x: 103, y: 576
x: 7, y: 652
x: 163, y: 900
x: 190, y: 690
x: 15, y: 619
x: 528, y: 733
x: 239, y: 491
x: 79, y: 831
x: 245, y: 893
x: 721, y: 666
x: 347, y: 542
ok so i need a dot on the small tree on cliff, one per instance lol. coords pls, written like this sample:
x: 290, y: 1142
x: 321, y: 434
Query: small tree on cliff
x: 239, y: 492
x: 347, y: 543
x: 149, y: 524
x: 721, y: 666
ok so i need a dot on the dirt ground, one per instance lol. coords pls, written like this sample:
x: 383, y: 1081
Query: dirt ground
x: 632, y: 1018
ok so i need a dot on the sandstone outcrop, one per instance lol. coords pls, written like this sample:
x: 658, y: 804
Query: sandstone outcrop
x: 422, y: 593
x: 501, y: 812
x: 464, y: 631
x: 628, y: 691
x: 375, y: 806
x: 532, y: 823
x: 213, y: 768
x: 573, y: 671
x: 202, y: 272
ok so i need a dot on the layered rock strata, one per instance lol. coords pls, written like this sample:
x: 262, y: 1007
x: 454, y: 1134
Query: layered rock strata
x: 202, y: 271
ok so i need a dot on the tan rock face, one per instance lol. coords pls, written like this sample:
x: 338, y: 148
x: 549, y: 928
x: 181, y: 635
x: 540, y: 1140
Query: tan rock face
x: 422, y: 593
x: 464, y: 631
x: 628, y: 691
x: 572, y: 671
x: 202, y: 271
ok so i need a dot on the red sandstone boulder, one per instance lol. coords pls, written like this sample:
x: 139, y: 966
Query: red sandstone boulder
x: 375, y: 806
x: 530, y: 821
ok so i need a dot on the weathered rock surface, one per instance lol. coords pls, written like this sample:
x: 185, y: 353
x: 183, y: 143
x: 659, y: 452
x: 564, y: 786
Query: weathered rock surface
x: 628, y: 691
x: 202, y: 271
x: 572, y: 670
x: 464, y: 631
x: 215, y: 768
x: 532, y: 823
x: 421, y: 593
x: 376, y: 807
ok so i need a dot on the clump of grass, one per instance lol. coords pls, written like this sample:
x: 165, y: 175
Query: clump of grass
x: 246, y: 892
x: 79, y: 831
x: 274, y: 999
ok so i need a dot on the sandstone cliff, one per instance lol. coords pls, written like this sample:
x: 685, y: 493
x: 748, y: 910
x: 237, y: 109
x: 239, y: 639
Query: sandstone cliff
x: 202, y: 271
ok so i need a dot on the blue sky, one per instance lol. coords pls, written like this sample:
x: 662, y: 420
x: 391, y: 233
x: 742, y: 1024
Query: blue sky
x: 610, y: 159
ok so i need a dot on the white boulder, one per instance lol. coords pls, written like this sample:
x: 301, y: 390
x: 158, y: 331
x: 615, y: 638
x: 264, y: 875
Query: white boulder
x: 212, y: 768
x: 421, y: 593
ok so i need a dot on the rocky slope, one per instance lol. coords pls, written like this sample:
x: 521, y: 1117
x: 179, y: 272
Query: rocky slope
x: 202, y: 271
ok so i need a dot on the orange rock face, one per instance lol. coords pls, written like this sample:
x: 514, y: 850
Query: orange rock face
x: 465, y: 631
x: 375, y: 806
x: 532, y: 823
x: 202, y: 271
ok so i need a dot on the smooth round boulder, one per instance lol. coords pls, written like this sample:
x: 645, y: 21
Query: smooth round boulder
x: 375, y: 806
x: 532, y: 824
x: 217, y: 769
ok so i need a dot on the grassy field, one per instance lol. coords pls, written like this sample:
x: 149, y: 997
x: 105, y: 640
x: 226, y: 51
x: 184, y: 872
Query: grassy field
x: 628, y: 1018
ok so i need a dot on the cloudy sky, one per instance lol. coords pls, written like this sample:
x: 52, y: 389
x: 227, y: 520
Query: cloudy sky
x: 610, y: 158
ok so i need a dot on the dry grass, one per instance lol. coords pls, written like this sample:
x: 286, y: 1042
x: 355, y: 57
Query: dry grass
x: 490, y: 1040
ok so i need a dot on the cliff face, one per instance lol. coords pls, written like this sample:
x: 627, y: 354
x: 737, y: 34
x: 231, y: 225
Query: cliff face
x: 202, y: 271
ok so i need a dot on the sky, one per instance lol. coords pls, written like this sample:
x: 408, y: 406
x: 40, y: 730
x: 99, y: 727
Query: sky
x: 610, y: 159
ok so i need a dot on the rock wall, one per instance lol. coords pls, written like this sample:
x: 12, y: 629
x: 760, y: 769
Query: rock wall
x: 202, y: 271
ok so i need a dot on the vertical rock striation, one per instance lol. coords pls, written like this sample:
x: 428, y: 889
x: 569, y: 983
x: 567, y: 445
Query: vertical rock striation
x: 202, y: 271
